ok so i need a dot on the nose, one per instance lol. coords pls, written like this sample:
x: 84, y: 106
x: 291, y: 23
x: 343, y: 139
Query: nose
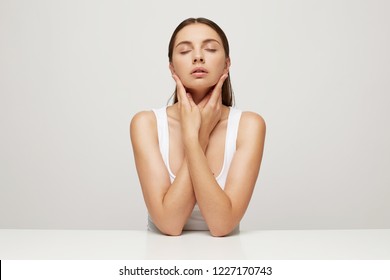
x: 198, y: 58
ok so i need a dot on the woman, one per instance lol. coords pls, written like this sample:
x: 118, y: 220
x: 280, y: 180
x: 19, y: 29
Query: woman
x: 198, y: 159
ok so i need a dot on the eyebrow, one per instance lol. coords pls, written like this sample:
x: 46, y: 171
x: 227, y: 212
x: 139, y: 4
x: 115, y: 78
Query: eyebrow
x: 190, y: 43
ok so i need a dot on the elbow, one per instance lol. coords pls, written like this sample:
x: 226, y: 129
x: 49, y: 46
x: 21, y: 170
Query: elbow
x: 218, y: 234
x: 223, y: 226
x: 221, y: 231
x: 171, y: 231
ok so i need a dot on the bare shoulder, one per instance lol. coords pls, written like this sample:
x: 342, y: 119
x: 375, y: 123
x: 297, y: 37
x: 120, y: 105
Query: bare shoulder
x: 252, y: 128
x: 142, y: 123
x: 252, y: 121
x: 143, y: 119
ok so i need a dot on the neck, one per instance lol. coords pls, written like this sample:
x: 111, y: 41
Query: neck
x: 198, y: 94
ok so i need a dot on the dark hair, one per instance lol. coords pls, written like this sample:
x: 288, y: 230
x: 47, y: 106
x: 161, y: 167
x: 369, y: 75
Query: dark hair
x: 227, y: 91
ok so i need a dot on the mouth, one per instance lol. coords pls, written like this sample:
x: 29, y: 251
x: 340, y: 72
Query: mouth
x: 199, y: 70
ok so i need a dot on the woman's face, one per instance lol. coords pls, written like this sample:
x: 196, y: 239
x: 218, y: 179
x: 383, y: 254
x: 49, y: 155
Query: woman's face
x: 198, y: 57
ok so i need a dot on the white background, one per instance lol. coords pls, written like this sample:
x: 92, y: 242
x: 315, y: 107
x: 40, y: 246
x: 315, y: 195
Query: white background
x: 73, y: 73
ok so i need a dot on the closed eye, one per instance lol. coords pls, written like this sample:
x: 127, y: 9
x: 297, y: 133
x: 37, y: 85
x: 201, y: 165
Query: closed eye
x: 184, y: 52
x: 211, y: 50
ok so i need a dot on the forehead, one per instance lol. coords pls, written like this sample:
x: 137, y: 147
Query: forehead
x: 197, y: 32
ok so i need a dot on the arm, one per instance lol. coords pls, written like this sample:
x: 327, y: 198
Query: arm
x: 223, y: 209
x: 168, y: 204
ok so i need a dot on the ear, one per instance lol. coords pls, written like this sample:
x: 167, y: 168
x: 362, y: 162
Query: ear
x: 227, y: 64
x: 171, y: 68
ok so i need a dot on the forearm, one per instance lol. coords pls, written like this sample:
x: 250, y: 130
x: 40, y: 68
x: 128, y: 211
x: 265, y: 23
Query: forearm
x: 203, y: 141
x: 213, y: 202
x: 177, y: 203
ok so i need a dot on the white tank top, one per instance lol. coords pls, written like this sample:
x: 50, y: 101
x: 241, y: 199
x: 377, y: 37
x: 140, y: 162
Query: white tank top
x: 196, y: 220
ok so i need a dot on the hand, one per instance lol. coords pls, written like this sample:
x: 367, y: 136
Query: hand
x: 190, y: 117
x: 211, y: 111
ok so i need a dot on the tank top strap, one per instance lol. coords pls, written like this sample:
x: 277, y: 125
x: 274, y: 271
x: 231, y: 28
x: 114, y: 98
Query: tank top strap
x: 230, y: 143
x: 232, y: 132
x: 163, y: 133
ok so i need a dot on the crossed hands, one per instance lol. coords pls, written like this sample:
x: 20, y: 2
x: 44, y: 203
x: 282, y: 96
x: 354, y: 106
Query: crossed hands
x: 199, y: 120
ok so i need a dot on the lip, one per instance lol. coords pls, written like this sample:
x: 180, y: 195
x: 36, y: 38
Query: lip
x: 197, y: 70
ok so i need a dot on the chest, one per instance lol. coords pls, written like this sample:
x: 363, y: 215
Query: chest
x: 215, y: 151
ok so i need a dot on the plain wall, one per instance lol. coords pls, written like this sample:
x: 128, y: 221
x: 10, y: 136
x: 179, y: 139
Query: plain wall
x: 73, y: 73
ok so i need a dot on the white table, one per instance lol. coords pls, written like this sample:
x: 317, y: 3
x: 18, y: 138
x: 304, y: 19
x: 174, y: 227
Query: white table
x: 136, y: 244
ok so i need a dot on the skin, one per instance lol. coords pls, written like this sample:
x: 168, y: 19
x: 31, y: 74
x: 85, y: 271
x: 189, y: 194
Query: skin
x: 197, y: 128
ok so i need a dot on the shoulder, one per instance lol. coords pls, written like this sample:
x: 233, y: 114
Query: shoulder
x: 141, y: 123
x: 252, y: 127
x: 142, y: 118
x: 252, y: 120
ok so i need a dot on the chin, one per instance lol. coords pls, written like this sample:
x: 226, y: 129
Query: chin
x: 199, y: 88
x: 200, y: 84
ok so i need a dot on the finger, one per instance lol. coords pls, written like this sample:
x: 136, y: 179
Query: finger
x: 220, y: 98
x: 222, y: 80
x: 216, y: 93
x: 192, y: 103
x: 175, y: 78
x: 180, y: 90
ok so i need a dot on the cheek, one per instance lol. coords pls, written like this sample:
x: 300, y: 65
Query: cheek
x: 220, y: 66
x: 178, y: 65
x: 218, y: 61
